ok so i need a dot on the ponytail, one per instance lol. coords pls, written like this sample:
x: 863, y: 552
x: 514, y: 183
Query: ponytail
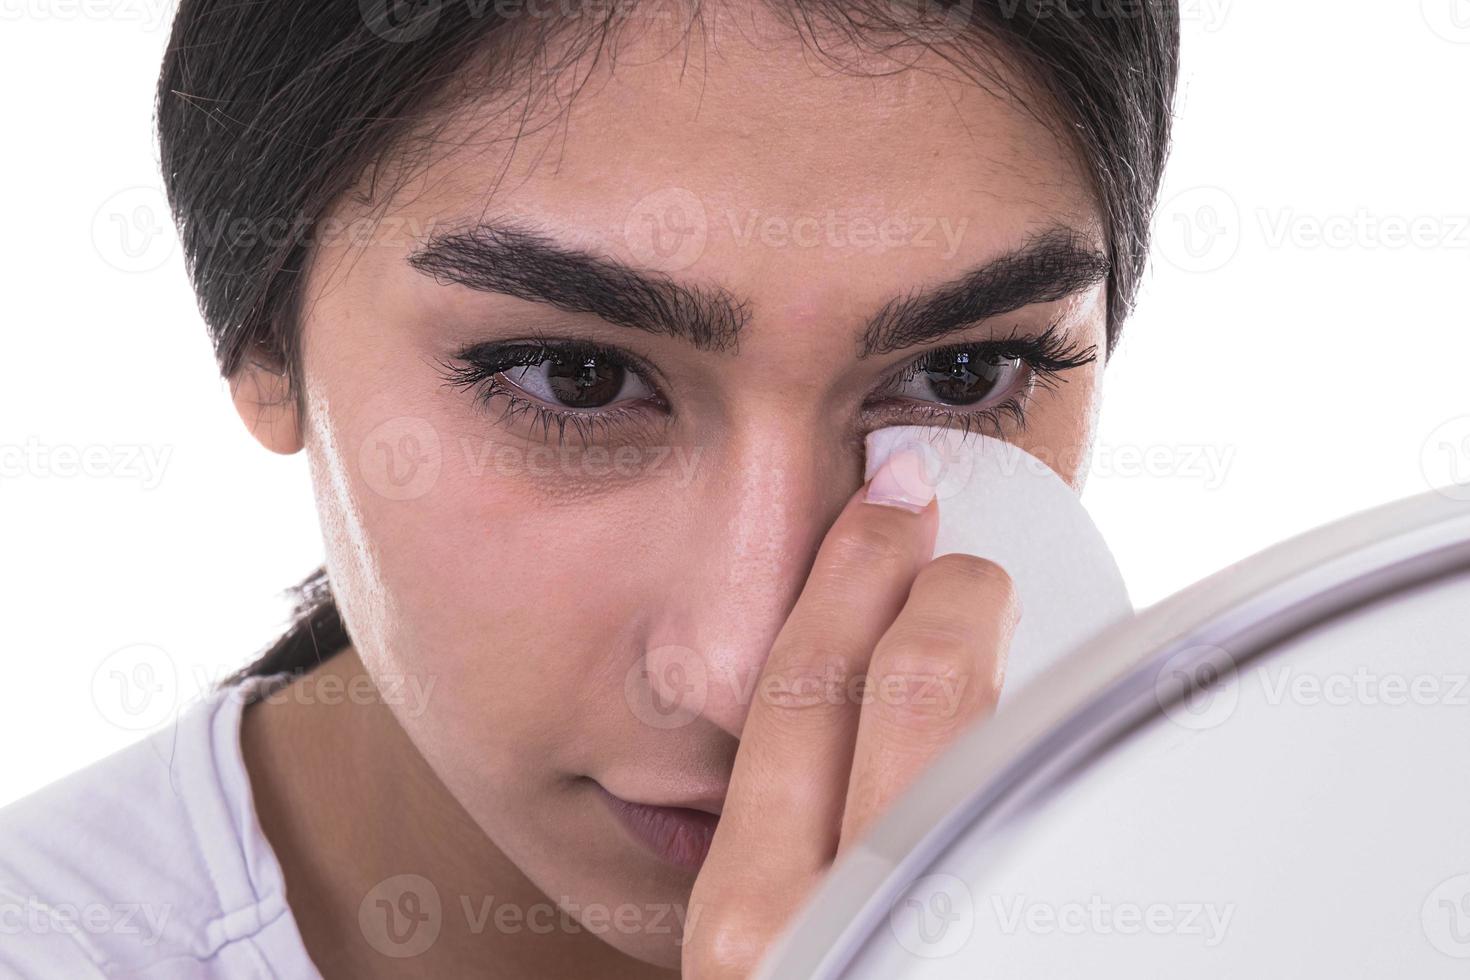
x: 316, y: 632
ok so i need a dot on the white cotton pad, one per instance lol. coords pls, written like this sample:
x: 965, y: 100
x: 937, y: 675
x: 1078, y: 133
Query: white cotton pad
x: 999, y: 502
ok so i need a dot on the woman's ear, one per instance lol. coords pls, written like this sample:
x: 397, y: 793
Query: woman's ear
x: 261, y: 390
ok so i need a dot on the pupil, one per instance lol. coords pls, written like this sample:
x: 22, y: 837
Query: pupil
x: 587, y: 382
x: 969, y: 379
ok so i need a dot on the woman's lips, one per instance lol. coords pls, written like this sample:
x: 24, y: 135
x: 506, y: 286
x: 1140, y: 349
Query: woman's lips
x: 679, y: 835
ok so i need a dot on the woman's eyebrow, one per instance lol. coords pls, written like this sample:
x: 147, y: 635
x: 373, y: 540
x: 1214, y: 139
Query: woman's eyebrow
x: 505, y: 259
x: 1049, y: 267
x: 513, y: 261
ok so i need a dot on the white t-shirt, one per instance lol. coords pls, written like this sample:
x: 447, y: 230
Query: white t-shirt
x: 150, y: 863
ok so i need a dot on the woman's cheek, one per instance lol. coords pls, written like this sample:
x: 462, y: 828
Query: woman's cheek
x: 518, y: 585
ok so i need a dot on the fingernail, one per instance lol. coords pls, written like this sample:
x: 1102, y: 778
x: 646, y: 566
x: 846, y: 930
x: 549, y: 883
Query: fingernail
x: 906, y: 479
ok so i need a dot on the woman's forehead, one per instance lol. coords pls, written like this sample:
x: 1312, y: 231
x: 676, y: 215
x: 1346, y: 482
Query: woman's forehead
x: 761, y: 131
x: 809, y: 188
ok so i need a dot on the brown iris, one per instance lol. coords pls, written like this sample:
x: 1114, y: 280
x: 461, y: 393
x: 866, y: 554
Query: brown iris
x: 964, y: 378
x: 584, y: 381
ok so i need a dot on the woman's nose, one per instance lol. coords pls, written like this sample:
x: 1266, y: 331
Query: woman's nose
x: 761, y: 514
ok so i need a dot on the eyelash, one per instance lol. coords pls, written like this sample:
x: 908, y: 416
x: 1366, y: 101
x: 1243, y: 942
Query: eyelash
x: 478, y: 367
x: 1044, y: 357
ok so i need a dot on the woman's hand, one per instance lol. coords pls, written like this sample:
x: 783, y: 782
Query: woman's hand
x: 885, y: 658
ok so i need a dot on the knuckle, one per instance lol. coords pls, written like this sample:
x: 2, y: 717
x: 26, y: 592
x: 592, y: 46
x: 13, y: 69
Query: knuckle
x: 920, y: 676
x: 971, y: 571
x: 804, y: 679
x: 870, y: 544
x: 923, y: 651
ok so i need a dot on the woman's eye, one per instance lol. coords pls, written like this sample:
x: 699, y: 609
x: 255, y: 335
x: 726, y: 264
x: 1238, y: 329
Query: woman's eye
x: 578, y: 381
x: 963, y: 378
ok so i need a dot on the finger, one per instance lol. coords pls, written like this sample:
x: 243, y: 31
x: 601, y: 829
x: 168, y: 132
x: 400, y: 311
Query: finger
x: 778, y: 828
x: 789, y: 779
x: 937, y: 669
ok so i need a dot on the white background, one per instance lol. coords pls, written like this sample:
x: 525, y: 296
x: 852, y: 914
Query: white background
x: 1299, y: 353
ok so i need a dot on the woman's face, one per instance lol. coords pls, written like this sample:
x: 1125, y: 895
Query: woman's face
x: 749, y: 252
